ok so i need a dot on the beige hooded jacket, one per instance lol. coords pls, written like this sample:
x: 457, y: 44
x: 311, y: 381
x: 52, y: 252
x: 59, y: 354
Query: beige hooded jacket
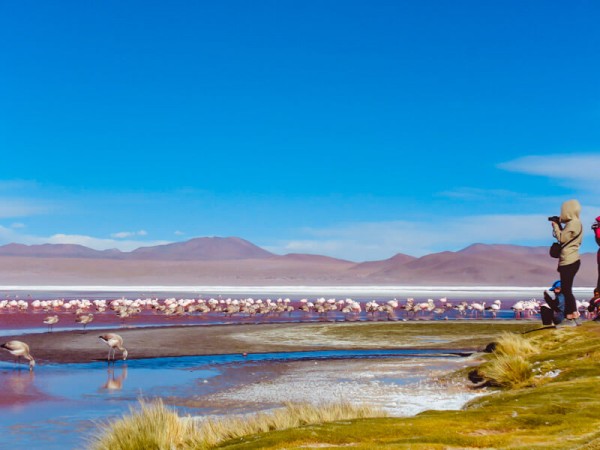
x: 569, y: 215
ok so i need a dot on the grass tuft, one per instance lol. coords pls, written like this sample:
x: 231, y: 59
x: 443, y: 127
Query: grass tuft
x: 511, y: 344
x: 155, y: 426
x: 509, y: 366
x: 510, y: 371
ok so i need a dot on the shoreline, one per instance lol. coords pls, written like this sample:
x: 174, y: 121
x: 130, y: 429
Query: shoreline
x: 190, y: 340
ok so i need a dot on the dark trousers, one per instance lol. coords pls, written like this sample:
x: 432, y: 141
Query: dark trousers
x: 567, y: 275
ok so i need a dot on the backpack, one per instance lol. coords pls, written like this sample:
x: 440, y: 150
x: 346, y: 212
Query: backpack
x: 596, y: 228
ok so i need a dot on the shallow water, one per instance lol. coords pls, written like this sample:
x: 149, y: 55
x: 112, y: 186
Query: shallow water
x: 59, y: 405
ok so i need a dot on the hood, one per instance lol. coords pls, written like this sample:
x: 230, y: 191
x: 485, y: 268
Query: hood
x: 570, y: 210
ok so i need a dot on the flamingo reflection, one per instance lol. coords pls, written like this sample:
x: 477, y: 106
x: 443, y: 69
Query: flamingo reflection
x: 114, y: 383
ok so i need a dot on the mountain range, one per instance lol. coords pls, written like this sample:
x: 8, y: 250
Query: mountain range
x: 235, y: 261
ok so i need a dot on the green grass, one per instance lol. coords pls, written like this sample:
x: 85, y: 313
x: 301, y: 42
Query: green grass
x: 551, y: 400
x: 559, y: 409
x: 423, y: 334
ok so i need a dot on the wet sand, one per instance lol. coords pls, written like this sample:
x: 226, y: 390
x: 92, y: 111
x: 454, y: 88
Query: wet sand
x: 156, y: 342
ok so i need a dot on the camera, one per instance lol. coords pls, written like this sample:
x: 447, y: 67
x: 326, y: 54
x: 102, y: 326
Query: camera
x: 554, y: 219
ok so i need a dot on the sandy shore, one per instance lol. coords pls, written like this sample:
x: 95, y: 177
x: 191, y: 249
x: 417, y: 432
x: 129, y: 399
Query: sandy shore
x: 155, y: 342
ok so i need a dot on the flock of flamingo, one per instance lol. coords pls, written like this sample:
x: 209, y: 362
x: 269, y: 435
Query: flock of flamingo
x: 83, y: 310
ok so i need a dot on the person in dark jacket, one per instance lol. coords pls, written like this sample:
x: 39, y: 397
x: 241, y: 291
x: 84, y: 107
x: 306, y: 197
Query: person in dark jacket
x: 594, y: 306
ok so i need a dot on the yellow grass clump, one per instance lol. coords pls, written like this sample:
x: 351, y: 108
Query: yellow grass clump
x: 509, y: 366
x: 155, y: 426
x: 512, y: 344
x: 511, y: 371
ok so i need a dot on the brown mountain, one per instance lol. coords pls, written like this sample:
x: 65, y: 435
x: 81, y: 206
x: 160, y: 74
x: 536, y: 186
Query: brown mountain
x: 202, y: 249
x: 305, y: 257
x: 57, y: 251
x: 234, y: 261
x: 370, y: 268
x: 475, y: 249
x: 479, y: 264
x: 198, y: 249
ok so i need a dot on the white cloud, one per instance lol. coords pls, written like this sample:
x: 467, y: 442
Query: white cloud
x: 99, y: 243
x: 12, y: 208
x: 467, y: 193
x: 178, y: 233
x: 8, y: 235
x: 578, y: 171
x: 18, y: 225
x: 371, y: 241
x: 126, y: 234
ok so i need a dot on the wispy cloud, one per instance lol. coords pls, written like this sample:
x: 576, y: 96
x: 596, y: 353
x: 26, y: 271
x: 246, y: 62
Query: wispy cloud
x: 100, y: 243
x: 179, y: 233
x: 468, y: 193
x: 8, y: 235
x: 13, y: 208
x: 126, y: 234
x: 578, y: 171
x: 370, y: 241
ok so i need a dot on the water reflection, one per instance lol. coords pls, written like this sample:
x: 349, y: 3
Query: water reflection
x: 115, y: 383
x: 18, y: 387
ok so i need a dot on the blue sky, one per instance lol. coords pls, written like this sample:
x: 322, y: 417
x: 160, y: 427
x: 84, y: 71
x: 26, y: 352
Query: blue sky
x: 345, y: 128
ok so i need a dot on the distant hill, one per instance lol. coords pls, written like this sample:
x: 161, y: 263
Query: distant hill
x: 235, y: 261
x: 202, y: 249
x: 57, y: 251
x: 374, y: 268
x: 312, y: 258
x: 514, y: 249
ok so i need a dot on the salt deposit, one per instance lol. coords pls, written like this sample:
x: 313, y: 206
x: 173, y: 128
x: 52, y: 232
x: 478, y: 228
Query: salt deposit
x: 400, y: 387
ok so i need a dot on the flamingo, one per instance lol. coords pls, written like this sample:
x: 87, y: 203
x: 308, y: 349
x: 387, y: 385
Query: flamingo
x: 518, y: 308
x: 494, y: 307
x: 114, y: 342
x: 50, y: 321
x: 18, y: 349
x: 84, y: 319
x: 478, y: 308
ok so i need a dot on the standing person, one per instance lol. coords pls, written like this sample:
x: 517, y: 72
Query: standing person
x: 570, y: 238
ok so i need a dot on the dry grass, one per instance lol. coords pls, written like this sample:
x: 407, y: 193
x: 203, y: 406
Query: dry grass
x: 511, y: 371
x: 508, y: 366
x: 512, y: 344
x: 155, y: 426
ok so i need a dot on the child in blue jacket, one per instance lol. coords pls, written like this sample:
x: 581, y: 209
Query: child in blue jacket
x: 554, y: 312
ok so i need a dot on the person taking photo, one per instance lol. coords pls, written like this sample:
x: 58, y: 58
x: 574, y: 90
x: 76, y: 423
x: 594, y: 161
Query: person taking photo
x: 569, y: 237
